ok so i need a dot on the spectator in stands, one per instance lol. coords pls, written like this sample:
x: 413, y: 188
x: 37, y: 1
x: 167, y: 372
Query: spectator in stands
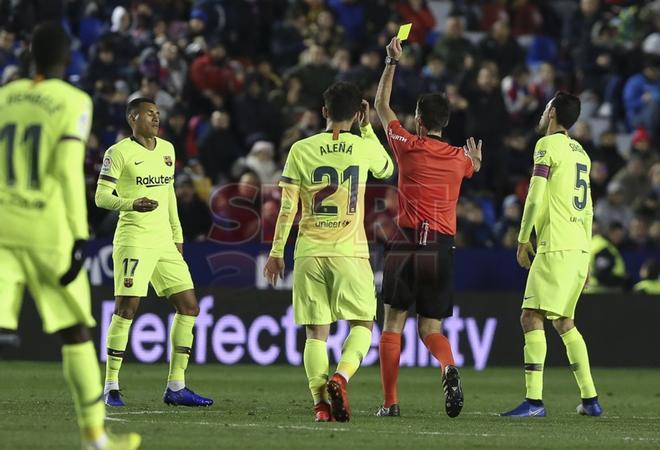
x: 613, y: 208
x: 287, y: 42
x: 367, y: 73
x: 581, y: 132
x: 642, y: 148
x: 261, y: 161
x: 607, y: 272
x: 649, y: 275
x: 638, y: 234
x: 641, y: 96
x: 599, y: 177
x: 486, y: 117
x: 219, y: 148
x: 315, y: 75
x: 406, y: 86
x: 193, y: 213
x: 308, y: 124
x: 545, y: 86
x: 254, y: 111
x: 435, y: 77
x: 455, y: 49
x: 150, y: 88
x: 351, y: 15
x: 325, y: 32
x: 103, y: 65
x: 632, y: 179
x: 7, y: 49
x: 212, y: 73
x: 517, y: 154
x: 501, y: 47
x: 476, y: 232
x: 520, y: 103
x: 526, y: 18
x: 418, y: 13
x: 173, y: 68
x: 607, y: 152
x: 510, y: 221
x: 175, y: 131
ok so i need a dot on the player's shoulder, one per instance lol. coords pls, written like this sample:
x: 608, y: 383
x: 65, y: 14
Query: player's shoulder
x: 13, y: 86
x: 120, y: 147
x: 164, y: 143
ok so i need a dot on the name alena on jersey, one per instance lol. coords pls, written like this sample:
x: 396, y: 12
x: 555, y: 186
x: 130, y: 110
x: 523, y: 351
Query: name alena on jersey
x: 337, y: 147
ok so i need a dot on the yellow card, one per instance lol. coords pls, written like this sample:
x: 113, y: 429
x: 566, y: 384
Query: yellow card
x: 404, y: 31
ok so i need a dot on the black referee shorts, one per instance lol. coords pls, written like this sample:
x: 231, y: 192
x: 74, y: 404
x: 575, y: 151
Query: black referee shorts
x: 420, y: 275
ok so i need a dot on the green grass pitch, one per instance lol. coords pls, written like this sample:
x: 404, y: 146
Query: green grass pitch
x: 269, y: 407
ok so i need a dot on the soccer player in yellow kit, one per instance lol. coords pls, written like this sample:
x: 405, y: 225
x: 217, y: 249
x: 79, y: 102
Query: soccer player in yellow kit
x: 559, y: 208
x: 332, y: 277
x: 44, y: 123
x: 147, y: 247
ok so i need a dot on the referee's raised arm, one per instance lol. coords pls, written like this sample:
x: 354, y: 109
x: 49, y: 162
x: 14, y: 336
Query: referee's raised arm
x: 382, y: 102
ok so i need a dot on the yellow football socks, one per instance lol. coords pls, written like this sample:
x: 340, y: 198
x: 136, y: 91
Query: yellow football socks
x: 181, y: 337
x: 116, y: 345
x: 578, y: 357
x: 355, y: 348
x: 534, y: 352
x: 315, y: 359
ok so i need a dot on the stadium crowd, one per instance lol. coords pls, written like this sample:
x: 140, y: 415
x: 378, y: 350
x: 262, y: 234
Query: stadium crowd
x: 237, y: 82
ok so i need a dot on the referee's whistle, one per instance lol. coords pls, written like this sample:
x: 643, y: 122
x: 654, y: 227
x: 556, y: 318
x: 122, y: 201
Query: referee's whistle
x: 423, y: 233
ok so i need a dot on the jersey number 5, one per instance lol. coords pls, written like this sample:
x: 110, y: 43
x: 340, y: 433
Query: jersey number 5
x: 580, y: 200
x: 351, y: 174
x: 31, y: 139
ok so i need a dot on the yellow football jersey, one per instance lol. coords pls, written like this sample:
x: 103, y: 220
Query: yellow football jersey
x: 134, y: 172
x: 332, y: 175
x: 567, y: 206
x: 42, y: 190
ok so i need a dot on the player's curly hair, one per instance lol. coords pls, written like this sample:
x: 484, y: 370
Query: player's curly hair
x: 342, y: 100
x: 50, y: 46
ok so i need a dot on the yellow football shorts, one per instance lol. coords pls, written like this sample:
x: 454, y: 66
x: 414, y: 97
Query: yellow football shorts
x: 135, y: 267
x: 555, y: 282
x: 327, y: 289
x: 60, y: 307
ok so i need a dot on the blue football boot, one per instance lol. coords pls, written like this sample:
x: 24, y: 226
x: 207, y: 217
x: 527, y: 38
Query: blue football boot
x: 113, y: 398
x: 526, y: 409
x: 185, y: 397
x: 590, y: 407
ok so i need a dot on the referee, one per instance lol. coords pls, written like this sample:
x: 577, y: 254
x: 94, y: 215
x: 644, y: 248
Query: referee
x: 419, y: 257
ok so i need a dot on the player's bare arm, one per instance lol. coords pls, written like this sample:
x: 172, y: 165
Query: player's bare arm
x: 473, y: 150
x: 274, y: 267
x: 382, y: 103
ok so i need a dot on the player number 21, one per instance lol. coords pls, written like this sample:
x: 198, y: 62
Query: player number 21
x: 350, y: 174
x: 580, y: 200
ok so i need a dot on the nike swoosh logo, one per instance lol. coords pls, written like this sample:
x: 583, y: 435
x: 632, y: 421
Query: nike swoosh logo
x: 138, y: 162
x: 535, y: 412
x: 525, y: 298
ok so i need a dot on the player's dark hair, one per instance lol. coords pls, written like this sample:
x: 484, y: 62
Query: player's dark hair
x: 434, y: 111
x: 135, y: 104
x: 342, y: 100
x: 50, y: 46
x: 567, y: 107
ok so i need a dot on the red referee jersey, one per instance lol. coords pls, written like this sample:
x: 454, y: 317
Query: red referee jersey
x: 430, y: 176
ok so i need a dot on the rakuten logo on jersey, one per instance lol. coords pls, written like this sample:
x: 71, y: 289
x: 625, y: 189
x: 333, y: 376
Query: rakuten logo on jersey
x: 151, y: 181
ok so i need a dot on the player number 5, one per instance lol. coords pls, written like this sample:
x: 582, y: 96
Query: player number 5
x: 580, y: 200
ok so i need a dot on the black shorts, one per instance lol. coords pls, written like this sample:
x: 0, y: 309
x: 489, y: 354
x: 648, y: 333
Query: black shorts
x: 421, y: 275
